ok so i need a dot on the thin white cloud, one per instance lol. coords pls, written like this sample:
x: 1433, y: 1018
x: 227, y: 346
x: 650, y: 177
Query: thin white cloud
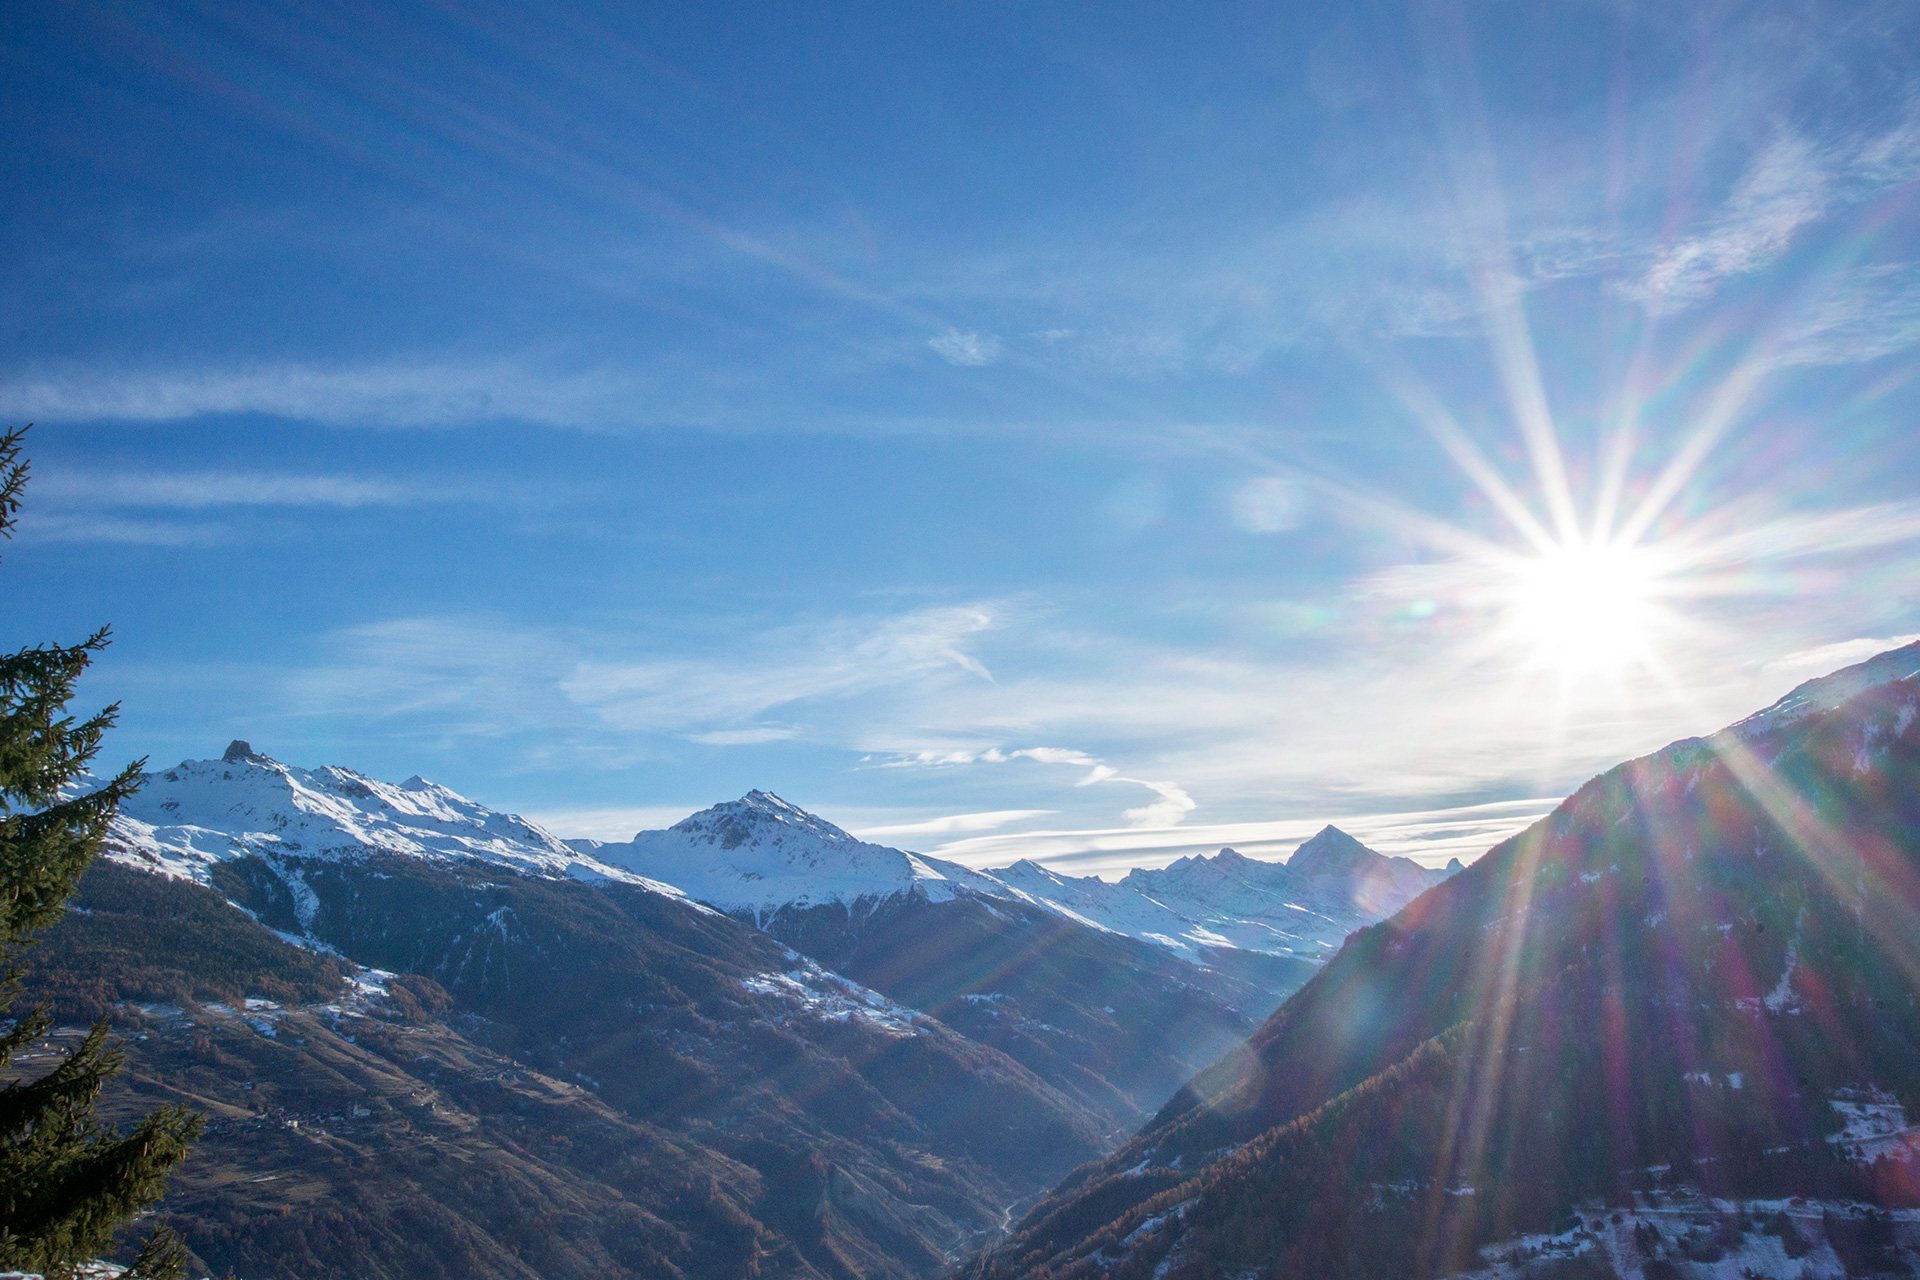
x: 1787, y: 187
x: 43, y: 526
x: 193, y: 490
x: 840, y: 659
x: 743, y: 737
x: 1805, y: 664
x: 966, y: 348
x: 989, y: 820
x: 1430, y: 837
x: 612, y: 824
x: 1173, y: 805
x: 1268, y: 504
x: 444, y: 678
x: 1054, y: 755
x: 423, y: 393
x: 1868, y: 312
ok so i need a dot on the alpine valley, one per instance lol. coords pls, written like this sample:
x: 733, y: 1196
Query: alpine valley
x: 1665, y: 1032
x: 434, y: 1040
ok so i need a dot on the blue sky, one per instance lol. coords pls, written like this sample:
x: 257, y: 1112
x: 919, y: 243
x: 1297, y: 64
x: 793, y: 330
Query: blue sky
x: 1100, y: 431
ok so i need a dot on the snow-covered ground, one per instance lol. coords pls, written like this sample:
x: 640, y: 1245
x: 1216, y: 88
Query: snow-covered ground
x: 820, y: 993
x: 1704, y: 1238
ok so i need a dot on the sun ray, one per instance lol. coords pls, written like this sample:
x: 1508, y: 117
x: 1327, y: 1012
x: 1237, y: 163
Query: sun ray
x: 1616, y: 458
x: 1425, y: 406
x: 1729, y: 398
x: 1519, y: 367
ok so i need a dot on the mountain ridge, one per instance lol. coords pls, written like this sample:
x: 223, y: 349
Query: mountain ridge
x: 1200, y: 906
x: 761, y: 853
x: 1691, y: 983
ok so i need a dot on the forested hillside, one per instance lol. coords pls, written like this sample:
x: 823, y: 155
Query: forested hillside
x: 576, y: 1081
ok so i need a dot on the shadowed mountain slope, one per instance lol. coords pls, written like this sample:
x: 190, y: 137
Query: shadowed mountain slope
x: 1113, y: 994
x: 1702, y: 971
x: 857, y: 1137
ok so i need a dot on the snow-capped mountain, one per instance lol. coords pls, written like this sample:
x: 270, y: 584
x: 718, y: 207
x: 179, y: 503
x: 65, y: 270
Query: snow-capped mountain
x: 186, y: 819
x: 754, y: 857
x: 1331, y: 886
x: 1830, y: 691
x: 760, y: 854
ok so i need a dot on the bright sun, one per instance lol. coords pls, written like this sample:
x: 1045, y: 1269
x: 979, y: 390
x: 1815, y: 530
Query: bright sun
x: 1583, y: 607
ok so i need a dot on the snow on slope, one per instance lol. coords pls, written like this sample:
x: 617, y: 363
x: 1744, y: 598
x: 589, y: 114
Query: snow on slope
x: 1331, y: 886
x: 760, y: 853
x: 755, y: 855
x: 185, y: 819
x: 1829, y: 691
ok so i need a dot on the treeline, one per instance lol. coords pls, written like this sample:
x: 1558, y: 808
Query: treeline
x: 130, y: 936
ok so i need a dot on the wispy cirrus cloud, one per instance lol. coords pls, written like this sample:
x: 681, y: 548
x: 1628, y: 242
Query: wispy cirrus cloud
x: 399, y: 393
x: 42, y: 526
x: 716, y: 700
x: 967, y: 348
x: 990, y: 820
x: 1430, y: 837
x: 1866, y: 313
x: 1789, y: 185
x: 1804, y: 664
x: 193, y: 490
x: 183, y: 508
x: 1173, y: 805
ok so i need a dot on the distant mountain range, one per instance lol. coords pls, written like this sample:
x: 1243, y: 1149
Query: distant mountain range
x: 1668, y: 1031
x: 759, y: 857
x: 854, y: 1060
x: 1198, y: 907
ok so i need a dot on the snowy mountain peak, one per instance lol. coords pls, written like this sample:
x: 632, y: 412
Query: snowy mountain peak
x: 1027, y: 867
x: 1331, y: 852
x: 1197, y: 905
x: 760, y: 854
x: 757, y: 816
x: 185, y: 819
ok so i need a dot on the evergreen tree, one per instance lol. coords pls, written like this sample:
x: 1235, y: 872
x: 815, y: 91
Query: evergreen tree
x: 67, y: 1182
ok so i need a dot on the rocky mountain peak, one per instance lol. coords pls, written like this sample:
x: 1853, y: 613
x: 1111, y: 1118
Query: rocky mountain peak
x: 1331, y: 852
x: 755, y: 817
